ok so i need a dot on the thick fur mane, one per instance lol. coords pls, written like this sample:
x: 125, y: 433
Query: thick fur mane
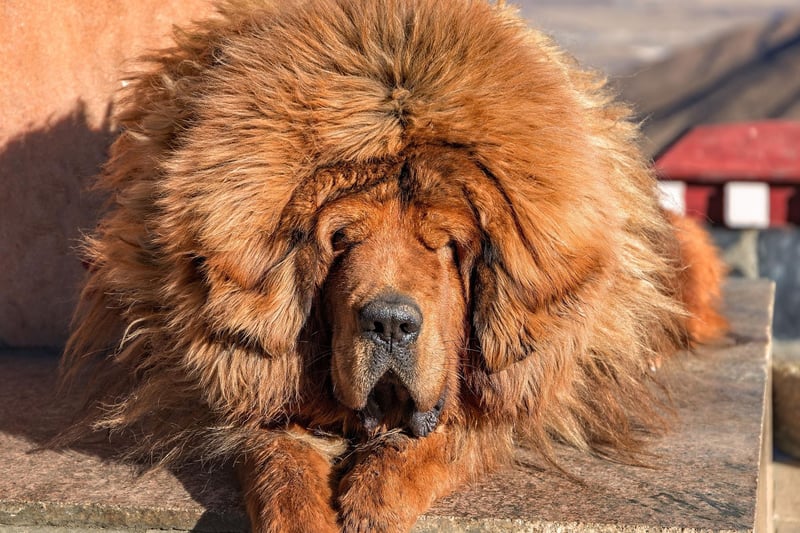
x: 200, y: 310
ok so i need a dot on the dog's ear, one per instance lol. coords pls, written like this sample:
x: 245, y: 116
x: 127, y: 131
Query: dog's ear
x: 542, y: 253
x: 262, y: 291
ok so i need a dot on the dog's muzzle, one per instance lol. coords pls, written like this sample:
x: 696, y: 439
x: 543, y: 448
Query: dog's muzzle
x: 390, y: 400
x: 392, y: 323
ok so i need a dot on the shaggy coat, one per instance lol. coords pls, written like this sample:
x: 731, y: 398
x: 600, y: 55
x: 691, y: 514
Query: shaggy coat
x: 289, y: 168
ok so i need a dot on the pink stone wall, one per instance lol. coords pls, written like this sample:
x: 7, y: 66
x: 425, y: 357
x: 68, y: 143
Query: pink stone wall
x: 61, y: 63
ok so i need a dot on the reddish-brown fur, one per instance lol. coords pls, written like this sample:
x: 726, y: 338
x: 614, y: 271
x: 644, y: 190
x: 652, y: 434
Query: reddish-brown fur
x: 284, y: 165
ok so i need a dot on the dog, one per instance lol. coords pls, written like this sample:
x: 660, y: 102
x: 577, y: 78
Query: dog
x: 364, y: 248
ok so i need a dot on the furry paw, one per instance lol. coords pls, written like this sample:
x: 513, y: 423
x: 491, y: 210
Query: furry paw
x: 383, y: 492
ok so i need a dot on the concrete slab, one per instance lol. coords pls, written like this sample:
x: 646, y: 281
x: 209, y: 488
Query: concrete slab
x: 786, y: 472
x: 786, y: 397
x: 704, y: 475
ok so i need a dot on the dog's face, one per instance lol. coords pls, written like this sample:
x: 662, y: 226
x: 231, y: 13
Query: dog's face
x: 396, y: 302
x: 416, y: 211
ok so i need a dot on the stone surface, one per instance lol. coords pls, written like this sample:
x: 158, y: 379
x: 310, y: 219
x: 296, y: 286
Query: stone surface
x: 84, y: 487
x: 773, y: 254
x: 703, y: 476
x: 786, y: 399
x: 787, y: 495
x: 779, y: 260
x: 739, y: 250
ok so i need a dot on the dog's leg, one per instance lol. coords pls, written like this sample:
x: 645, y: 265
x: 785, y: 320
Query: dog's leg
x: 286, y: 482
x: 398, y: 479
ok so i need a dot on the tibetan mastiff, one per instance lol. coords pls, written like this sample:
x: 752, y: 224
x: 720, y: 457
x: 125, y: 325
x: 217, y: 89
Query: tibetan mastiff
x: 364, y: 248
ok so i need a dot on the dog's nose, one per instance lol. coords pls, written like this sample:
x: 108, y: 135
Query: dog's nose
x: 392, y: 320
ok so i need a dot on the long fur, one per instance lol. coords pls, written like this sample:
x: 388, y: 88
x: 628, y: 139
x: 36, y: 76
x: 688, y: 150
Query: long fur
x: 199, y: 315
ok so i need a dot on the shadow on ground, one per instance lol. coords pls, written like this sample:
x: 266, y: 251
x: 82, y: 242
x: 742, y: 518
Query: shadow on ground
x: 33, y: 411
x: 45, y: 175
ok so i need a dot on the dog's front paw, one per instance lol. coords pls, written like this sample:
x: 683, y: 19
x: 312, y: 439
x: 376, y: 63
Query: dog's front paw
x: 368, y: 508
x: 293, y: 519
x: 294, y: 508
x: 382, y: 493
x: 286, y: 485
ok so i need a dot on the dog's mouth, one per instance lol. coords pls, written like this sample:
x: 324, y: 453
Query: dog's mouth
x: 390, y: 405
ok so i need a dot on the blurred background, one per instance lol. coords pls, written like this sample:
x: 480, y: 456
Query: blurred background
x: 681, y: 63
x: 690, y: 63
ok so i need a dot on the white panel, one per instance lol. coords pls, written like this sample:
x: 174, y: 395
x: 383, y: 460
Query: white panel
x: 673, y: 196
x: 746, y: 204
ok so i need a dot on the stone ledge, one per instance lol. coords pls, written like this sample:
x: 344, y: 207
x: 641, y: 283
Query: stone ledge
x: 706, y: 474
x: 786, y: 397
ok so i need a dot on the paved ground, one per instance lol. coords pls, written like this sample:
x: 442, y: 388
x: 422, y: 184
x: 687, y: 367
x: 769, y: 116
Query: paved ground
x: 704, y: 477
x: 786, y: 473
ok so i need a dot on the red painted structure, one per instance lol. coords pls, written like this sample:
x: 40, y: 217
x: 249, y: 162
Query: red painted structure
x: 709, y: 157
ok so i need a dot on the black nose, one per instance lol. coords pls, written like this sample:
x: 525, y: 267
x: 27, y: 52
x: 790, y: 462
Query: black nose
x: 393, y: 320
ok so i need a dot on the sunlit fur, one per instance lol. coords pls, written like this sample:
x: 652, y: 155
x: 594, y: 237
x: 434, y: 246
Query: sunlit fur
x: 405, y: 249
x: 464, y: 160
